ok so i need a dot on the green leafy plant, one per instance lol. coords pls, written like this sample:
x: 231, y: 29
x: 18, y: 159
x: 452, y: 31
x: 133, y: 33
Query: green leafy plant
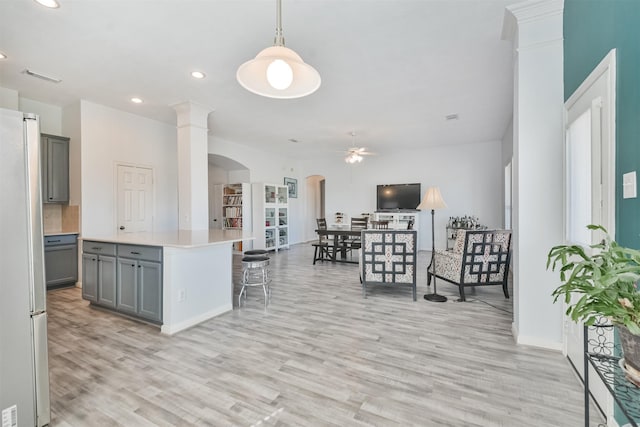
x: 606, y: 279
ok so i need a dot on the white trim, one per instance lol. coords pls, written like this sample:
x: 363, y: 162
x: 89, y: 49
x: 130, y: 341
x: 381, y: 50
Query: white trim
x: 537, y: 342
x: 173, y: 329
x: 606, y: 69
x: 533, y: 341
x: 528, y: 11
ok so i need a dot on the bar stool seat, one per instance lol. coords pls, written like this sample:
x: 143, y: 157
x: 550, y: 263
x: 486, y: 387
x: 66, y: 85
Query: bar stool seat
x: 256, y: 252
x: 255, y: 273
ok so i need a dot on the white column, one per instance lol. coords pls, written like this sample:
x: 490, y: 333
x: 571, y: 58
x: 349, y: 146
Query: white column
x: 193, y: 196
x: 536, y: 30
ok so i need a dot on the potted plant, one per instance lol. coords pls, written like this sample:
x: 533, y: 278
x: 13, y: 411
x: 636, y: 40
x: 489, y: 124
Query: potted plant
x: 605, y: 277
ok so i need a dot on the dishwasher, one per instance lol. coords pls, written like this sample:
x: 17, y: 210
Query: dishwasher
x: 61, y: 260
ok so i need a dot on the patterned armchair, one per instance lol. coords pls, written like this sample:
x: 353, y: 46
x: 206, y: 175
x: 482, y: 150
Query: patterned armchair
x: 478, y: 258
x: 388, y: 257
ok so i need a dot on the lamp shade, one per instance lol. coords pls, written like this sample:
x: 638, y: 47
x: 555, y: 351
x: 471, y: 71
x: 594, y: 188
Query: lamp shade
x: 432, y: 199
x: 252, y: 75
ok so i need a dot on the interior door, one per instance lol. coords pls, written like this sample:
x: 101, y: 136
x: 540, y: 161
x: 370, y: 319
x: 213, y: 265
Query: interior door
x: 590, y: 188
x: 135, y: 198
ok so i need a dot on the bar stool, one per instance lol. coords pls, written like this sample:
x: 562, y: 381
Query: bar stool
x: 255, y: 272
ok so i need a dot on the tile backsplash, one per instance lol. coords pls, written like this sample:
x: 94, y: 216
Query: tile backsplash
x: 60, y: 218
x: 52, y: 218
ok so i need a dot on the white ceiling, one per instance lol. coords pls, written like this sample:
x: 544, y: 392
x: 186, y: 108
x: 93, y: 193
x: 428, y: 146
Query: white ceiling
x: 391, y: 69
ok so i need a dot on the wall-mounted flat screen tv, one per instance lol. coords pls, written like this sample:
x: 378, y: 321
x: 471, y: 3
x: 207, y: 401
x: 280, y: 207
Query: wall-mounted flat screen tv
x: 393, y: 197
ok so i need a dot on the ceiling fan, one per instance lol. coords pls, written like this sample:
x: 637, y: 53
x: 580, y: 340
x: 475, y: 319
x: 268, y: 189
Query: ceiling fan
x: 355, y: 154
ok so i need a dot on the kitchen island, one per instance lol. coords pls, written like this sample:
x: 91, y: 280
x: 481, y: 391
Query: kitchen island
x: 196, y: 265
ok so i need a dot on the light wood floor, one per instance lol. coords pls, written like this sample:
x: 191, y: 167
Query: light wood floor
x: 320, y: 355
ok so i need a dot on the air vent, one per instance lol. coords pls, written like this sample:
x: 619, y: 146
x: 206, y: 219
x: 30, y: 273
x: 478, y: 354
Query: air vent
x: 41, y: 76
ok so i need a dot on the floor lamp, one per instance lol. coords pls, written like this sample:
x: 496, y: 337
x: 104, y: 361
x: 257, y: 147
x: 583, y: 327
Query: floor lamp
x: 433, y: 200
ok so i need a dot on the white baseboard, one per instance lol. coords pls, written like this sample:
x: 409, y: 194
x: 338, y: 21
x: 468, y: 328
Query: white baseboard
x: 174, y: 329
x: 534, y: 341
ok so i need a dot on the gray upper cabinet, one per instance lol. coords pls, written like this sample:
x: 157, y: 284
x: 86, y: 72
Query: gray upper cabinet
x: 55, y: 168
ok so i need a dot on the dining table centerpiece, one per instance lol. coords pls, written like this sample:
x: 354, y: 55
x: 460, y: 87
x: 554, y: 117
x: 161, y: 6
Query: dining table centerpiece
x: 604, y: 277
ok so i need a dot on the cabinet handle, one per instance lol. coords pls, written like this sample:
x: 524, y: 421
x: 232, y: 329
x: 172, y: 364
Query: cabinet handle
x: 135, y: 253
x: 96, y: 248
x: 139, y: 266
x: 133, y: 265
x: 53, y: 241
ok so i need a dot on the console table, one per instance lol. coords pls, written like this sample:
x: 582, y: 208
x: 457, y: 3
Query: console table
x: 452, y: 233
x: 602, y: 358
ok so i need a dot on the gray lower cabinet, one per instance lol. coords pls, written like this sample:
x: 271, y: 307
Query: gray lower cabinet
x: 99, y: 273
x: 127, y: 285
x: 136, y: 287
x: 60, y: 260
x: 107, y: 281
x: 150, y: 287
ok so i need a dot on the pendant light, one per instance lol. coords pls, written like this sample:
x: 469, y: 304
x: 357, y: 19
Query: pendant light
x: 277, y: 71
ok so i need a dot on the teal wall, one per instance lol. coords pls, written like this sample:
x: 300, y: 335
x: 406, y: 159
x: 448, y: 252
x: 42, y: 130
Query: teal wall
x: 591, y: 29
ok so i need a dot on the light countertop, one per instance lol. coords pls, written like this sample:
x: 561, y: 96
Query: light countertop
x: 177, y: 238
x: 59, y: 233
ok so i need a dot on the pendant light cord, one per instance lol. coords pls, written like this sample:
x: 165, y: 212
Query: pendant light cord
x: 279, y: 39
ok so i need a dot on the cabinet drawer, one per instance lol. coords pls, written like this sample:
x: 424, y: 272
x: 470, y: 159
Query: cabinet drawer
x: 100, y: 248
x: 66, y: 239
x: 149, y: 253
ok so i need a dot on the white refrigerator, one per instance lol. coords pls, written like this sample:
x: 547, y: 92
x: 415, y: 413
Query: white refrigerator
x: 24, y: 373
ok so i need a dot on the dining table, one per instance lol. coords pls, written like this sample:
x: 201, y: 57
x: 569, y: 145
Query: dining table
x: 341, y: 242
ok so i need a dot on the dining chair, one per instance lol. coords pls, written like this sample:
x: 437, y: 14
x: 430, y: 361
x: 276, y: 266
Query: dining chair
x: 357, y: 224
x: 323, y: 247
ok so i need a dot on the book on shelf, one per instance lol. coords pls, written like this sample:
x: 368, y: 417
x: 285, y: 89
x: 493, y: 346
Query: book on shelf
x: 233, y: 200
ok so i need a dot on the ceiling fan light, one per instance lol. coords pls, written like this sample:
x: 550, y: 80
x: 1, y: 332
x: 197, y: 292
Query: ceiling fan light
x: 253, y: 74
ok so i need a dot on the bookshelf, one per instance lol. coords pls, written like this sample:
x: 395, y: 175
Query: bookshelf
x: 236, y: 210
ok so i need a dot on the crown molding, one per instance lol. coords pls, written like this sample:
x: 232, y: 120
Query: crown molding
x: 526, y: 12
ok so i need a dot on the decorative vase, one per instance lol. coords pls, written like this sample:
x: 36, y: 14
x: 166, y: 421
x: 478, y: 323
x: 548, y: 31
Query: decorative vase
x: 630, y: 347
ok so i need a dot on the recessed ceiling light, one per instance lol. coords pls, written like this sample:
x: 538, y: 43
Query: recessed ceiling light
x: 3, y: 56
x: 136, y: 100
x: 198, y: 75
x: 53, y: 4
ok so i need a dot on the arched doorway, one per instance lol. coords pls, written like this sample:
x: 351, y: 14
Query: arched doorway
x: 222, y: 170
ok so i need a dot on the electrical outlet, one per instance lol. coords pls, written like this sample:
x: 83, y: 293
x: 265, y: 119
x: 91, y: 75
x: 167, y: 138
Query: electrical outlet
x: 629, y: 190
x: 10, y: 416
x: 182, y: 295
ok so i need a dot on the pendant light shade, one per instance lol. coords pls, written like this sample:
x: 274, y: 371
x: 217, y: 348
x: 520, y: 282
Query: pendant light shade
x: 277, y: 71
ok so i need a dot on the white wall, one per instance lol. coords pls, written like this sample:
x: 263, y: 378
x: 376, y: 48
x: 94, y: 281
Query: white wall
x: 469, y: 177
x: 50, y: 115
x: 9, y: 98
x: 111, y: 136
